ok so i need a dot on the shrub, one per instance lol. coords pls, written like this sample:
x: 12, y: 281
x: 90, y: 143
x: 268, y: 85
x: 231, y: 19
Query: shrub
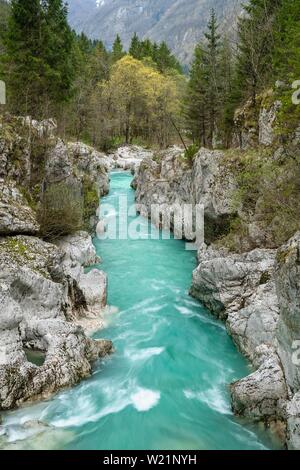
x: 61, y: 211
x: 191, y: 152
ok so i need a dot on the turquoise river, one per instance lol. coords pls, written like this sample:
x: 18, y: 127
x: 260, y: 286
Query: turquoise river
x: 166, y: 386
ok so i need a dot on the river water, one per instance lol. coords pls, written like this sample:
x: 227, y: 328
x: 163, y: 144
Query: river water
x: 166, y: 386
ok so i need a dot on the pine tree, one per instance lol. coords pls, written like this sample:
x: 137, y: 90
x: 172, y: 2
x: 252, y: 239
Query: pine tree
x: 24, y: 63
x: 117, y: 50
x: 196, y: 98
x: 165, y: 60
x: 58, y: 51
x: 135, y: 47
x: 39, y: 59
x: 213, y: 76
x: 228, y: 98
x: 146, y: 49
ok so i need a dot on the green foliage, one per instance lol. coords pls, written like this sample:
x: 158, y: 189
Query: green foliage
x: 191, y: 152
x: 207, y: 110
x: 256, y: 46
x: 160, y: 54
x: 139, y: 102
x: 4, y: 14
x: 61, y: 211
x: 117, y: 51
x: 268, y: 190
x: 286, y: 61
x: 38, y: 58
x: 223, y: 79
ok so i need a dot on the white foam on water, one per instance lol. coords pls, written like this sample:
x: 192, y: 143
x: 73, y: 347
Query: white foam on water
x: 143, y: 354
x: 184, y: 310
x: 78, y: 419
x: 144, y: 400
x: 214, y: 398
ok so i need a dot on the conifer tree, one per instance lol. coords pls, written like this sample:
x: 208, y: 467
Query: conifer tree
x: 213, y: 73
x: 117, y: 50
x: 196, y: 98
x: 135, y: 47
x: 39, y: 59
x: 58, y: 51
x: 25, y: 64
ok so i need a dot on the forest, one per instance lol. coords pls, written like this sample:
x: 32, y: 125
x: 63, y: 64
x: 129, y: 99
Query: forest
x: 106, y: 97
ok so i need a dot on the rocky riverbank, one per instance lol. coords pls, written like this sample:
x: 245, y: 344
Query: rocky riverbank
x: 48, y: 302
x: 254, y: 288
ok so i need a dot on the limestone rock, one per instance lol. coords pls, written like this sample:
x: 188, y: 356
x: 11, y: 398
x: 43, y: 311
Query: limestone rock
x: 35, y: 295
x: 213, y: 184
x: 169, y: 181
x: 288, y: 291
x: 89, y: 162
x: 79, y: 252
x: 73, y: 162
x: 267, y: 120
x: 293, y: 422
x: 223, y: 282
x: 259, y: 395
x: 16, y: 217
x: 255, y: 324
x: 59, y: 165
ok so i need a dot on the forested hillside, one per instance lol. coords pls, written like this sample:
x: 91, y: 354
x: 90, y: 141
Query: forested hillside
x: 51, y: 71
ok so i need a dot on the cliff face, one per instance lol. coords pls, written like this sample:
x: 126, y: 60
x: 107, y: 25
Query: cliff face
x: 45, y: 295
x: 180, y: 23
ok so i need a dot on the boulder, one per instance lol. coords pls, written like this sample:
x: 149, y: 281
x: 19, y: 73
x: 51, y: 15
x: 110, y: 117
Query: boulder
x: 266, y: 123
x: 79, y: 253
x: 259, y: 396
x: 16, y: 217
x: 224, y: 281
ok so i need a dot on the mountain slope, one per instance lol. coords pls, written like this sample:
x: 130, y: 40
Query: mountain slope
x: 179, y: 22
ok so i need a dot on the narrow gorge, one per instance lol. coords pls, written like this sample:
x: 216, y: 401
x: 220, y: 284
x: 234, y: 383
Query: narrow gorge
x: 165, y: 358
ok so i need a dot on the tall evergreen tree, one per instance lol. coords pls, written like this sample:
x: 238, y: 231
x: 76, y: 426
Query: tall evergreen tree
x: 117, y: 50
x: 196, y: 98
x: 135, y: 47
x: 38, y: 62
x: 213, y: 76
x: 25, y: 65
x: 58, y: 51
x: 165, y: 60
